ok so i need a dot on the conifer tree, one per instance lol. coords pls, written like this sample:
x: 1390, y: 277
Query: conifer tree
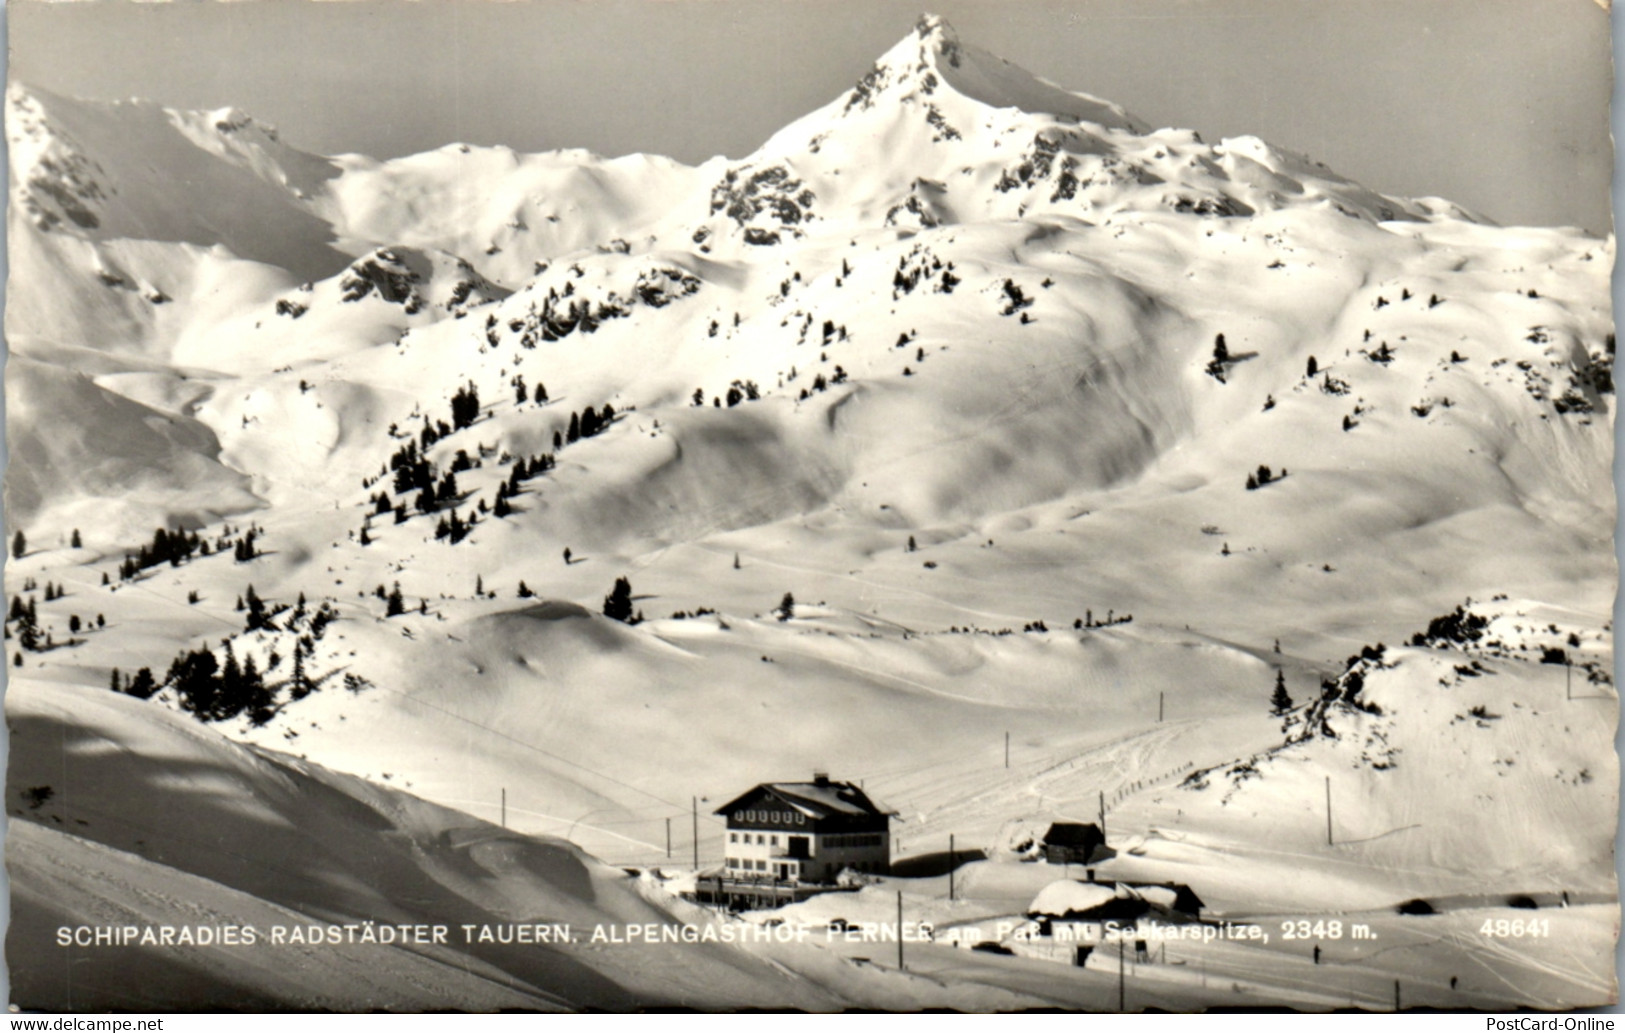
x: 257, y: 698
x: 1280, y: 701
x: 229, y: 703
x: 256, y: 618
x: 19, y: 545
x: 143, y: 687
x: 618, y: 604
x: 299, y: 683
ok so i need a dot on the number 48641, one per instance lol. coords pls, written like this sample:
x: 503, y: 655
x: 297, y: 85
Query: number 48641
x: 1506, y: 928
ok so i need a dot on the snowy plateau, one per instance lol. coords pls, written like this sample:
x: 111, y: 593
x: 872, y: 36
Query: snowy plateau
x: 436, y: 543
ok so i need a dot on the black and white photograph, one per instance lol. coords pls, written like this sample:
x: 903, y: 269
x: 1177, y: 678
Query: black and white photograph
x: 789, y: 506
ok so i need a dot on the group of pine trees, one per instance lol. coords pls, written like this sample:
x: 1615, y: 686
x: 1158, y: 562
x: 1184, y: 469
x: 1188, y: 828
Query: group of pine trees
x: 394, y: 601
x: 917, y: 266
x: 412, y: 470
x: 414, y: 474
x: 465, y: 406
x: 23, y: 621
x: 178, y: 546
x: 454, y: 528
x: 172, y: 547
x: 1088, y: 620
x: 744, y: 391
x: 142, y: 686
x: 523, y: 470
x: 247, y: 547
x: 19, y: 544
x: 1015, y: 299
x: 25, y: 616
x: 213, y: 691
x: 589, y: 422
x: 1264, y: 475
x: 618, y: 603
x: 521, y: 394
x: 561, y: 315
x: 820, y: 384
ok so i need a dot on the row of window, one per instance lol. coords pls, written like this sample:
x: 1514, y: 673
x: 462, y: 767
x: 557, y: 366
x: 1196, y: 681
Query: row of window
x: 775, y: 817
x: 745, y: 864
x: 848, y: 839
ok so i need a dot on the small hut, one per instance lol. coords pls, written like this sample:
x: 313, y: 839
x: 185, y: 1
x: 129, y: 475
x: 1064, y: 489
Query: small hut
x: 1069, y: 842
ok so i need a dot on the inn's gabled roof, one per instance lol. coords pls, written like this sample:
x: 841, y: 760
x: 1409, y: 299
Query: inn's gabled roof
x: 817, y: 800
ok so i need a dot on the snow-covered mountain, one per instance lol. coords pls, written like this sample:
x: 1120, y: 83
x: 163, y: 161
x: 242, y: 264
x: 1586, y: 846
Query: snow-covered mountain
x: 966, y: 405
x: 970, y: 138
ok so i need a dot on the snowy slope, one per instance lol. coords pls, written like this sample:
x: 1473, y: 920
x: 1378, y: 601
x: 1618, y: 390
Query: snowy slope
x: 505, y: 212
x: 266, y: 840
x: 1052, y: 425
x: 119, y: 466
x: 139, y: 171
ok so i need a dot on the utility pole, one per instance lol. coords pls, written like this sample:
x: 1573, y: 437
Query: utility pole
x: 900, y: 967
x: 1159, y: 708
x: 951, y: 866
x: 696, y: 805
x: 1102, y: 814
x: 1328, y: 810
x: 668, y: 839
x: 1568, y: 679
x: 1006, y: 749
x: 1122, y: 949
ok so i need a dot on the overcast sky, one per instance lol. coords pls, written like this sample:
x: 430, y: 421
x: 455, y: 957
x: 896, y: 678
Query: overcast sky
x: 1501, y: 105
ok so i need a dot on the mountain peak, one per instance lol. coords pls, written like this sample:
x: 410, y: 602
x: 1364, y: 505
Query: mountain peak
x: 933, y: 56
x: 937, y: 39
